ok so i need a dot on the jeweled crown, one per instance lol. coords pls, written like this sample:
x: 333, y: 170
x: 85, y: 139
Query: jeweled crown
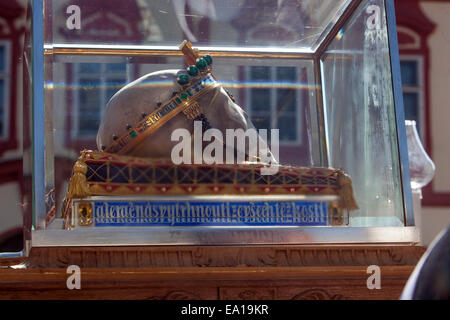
x: 197, y: 66
x: 196, y: 82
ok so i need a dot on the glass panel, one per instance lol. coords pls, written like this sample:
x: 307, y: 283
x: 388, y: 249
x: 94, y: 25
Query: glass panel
x: 280, y: 103
x: 89, y: 107
x: 264, y: 24
x: 286, y: 73
x: 89, y: 68
x: 275, y: 90
x: 248, y: 80
x: 286, y: 116
x: 260, y: 73
x: 359, y: 103
x: 288, y: 130
x: 286, y: 102
x: 262, y: 121
x: 112, y: 86
x: 116, y: 68
x: 95, y: 84
x: 260, y: 99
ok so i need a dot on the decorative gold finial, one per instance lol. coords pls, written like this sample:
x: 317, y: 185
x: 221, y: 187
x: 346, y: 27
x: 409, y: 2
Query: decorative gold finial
x: 197, y: 66
x: 191, y: 55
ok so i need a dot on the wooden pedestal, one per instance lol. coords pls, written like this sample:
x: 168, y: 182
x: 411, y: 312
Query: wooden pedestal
x: 210, y: 272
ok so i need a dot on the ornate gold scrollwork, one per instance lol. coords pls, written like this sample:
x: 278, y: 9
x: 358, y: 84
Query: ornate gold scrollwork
x: 85, y: 214
x: 192, y: 111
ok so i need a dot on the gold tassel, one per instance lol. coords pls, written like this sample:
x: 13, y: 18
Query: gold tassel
x: 346, y: 197
x: 78, y: 184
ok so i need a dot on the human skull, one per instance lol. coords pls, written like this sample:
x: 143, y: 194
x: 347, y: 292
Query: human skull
x: 144, y: 95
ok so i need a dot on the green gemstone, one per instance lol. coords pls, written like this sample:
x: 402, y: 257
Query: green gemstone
x: 178, y: 100
x: 183, y: 96
x: 133, y: 134
x: 208, y: 59
x: 201, y: 63
x: 183, y: 79
x: 192, y: 71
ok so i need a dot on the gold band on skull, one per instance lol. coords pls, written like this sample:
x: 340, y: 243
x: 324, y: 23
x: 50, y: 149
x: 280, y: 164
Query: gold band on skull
x: 182, y: 102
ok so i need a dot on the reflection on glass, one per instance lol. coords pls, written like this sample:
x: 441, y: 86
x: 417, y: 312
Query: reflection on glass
x: 361, y: 120
x: 275, y: 102
x: 276, y: 94
x: 89, y: 111
x: 421, y: 166
x: 220, y: 23
x: 94, y: 84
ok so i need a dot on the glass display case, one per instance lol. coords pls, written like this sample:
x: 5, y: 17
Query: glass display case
x: 324, y: 73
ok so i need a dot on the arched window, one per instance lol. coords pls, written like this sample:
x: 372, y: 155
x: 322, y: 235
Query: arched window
x: 413, y: 30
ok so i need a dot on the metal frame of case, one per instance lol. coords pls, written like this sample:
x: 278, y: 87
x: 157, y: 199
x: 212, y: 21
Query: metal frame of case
x: 216, y: 235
